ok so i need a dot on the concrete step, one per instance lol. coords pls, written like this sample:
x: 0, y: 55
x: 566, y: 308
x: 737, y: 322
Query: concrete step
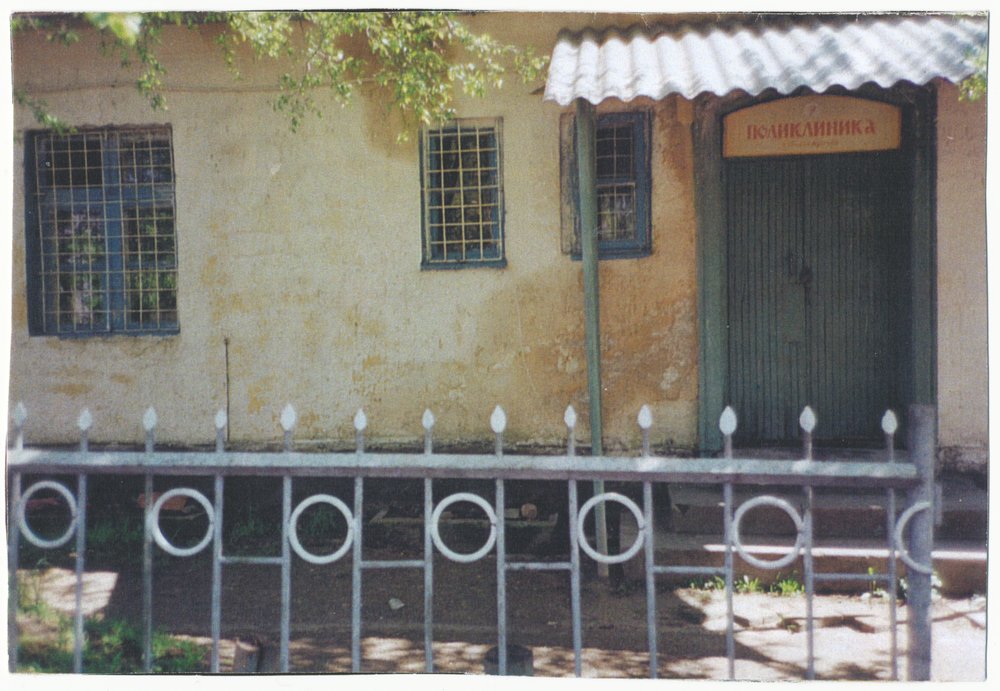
x: 837, y: 512
x: 960, y: 567
x: 849, y: 528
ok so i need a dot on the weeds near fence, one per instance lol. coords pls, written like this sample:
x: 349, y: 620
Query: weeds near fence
x: 788, y: 585
x: 782, y: 585
x: 111, y: 646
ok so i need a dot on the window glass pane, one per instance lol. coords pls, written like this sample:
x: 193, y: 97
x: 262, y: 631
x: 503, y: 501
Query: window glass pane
x: 468, y: 175
x: 616, y: 212
x: 107, y: 255
x: 622, y: 188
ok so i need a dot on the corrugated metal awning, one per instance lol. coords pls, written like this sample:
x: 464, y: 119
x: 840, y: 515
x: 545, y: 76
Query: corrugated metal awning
x: 784, y: 55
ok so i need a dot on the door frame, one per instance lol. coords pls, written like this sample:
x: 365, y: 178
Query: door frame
x: 918, y: 141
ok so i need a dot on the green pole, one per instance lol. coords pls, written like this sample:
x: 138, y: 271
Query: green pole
x: 587, y: 186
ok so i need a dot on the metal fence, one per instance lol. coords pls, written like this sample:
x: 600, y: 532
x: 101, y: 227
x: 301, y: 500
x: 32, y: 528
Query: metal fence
x: 913, y: 474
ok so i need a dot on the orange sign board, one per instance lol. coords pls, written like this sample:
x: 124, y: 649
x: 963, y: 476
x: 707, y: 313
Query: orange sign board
x: 811, y: 125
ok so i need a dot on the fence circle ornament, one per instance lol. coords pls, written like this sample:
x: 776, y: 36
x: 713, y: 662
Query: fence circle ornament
x: 627, y: 503
x: 898, y: 536
x: 22, y: 520
x: 436, y: 535
x: 293, y: 536
x: 161, y: 539
x: 784, y: 506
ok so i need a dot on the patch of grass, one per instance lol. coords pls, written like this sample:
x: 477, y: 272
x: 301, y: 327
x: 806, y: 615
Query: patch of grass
x: 782, y: 586
x: 29, y: 592
x: 789, y: 585
x: 713, y: 583
x: 112, y: 647
x: 248, y: 535
x: 748, y: 585
x: 874, y: 586
x: 116, y: 540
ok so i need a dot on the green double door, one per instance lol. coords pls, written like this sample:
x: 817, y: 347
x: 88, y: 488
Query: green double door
x: 818, y: 257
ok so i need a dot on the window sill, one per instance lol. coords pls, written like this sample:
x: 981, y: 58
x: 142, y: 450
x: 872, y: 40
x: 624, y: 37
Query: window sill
x: 449, y: 266
x: 105, y: 335
x: 609, y: 253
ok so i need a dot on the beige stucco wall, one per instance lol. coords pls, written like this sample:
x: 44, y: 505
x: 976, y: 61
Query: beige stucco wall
x: 303, y: 252
x: 963, y: 395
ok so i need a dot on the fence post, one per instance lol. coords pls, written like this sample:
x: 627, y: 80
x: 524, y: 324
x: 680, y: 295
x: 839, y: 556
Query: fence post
x: 922, y: 443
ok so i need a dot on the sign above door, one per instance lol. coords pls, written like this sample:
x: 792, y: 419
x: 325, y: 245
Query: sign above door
x: 811, y: 125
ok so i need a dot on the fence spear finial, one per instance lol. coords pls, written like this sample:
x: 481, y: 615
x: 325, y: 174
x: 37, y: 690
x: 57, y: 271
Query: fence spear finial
x: 889, y: 425
x: 288, y: 418
x: 19, y: 415
x: 889, y: 422
x: 428, y: 423
x: 221, y: 420
x: 84, y: 422
x: 149, y: 421
x: 360, y: 423
x: 569, y: 417
x: 645, y: 420
x: 728, y: 421
x: 807, y: 421
x: 498, y: 422
x: 360, y: 420
x: 727, y: 425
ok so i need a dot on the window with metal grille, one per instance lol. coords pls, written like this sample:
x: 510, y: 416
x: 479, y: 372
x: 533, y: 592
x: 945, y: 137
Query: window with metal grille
x: 622, y: 171
x: 101, y: 245
x: 462, y: 186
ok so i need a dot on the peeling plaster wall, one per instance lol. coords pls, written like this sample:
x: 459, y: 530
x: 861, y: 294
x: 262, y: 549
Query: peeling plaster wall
x: 302, y: 251
x: 963, y: 395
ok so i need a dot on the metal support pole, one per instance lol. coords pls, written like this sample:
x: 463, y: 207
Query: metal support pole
x: 428, y: 573
x: 501, y: 581
x: 922, y: 443
x: 647, y: 501
x: 81, y: 551
x: 587, y: 188
x: 356, y: 577
x: 13, y: 543
x: 147, y: 578
x: 217, y: 575
x: 574, y: 555
x: 286, y: 571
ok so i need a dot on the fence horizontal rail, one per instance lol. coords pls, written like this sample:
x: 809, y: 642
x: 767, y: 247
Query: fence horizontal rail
x: 461, y: 466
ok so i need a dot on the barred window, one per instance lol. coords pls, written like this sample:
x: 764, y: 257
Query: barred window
x: 462, y: 186
x: 623, y: 189
x: 616, y: 198
x: 102, y: 250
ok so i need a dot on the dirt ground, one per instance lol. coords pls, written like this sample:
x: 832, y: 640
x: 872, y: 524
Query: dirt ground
x: 852, y: 634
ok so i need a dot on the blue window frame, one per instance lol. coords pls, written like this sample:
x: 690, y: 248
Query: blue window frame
x: 462, y: 195
x: 101, y: 243
x: 621, y: 145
